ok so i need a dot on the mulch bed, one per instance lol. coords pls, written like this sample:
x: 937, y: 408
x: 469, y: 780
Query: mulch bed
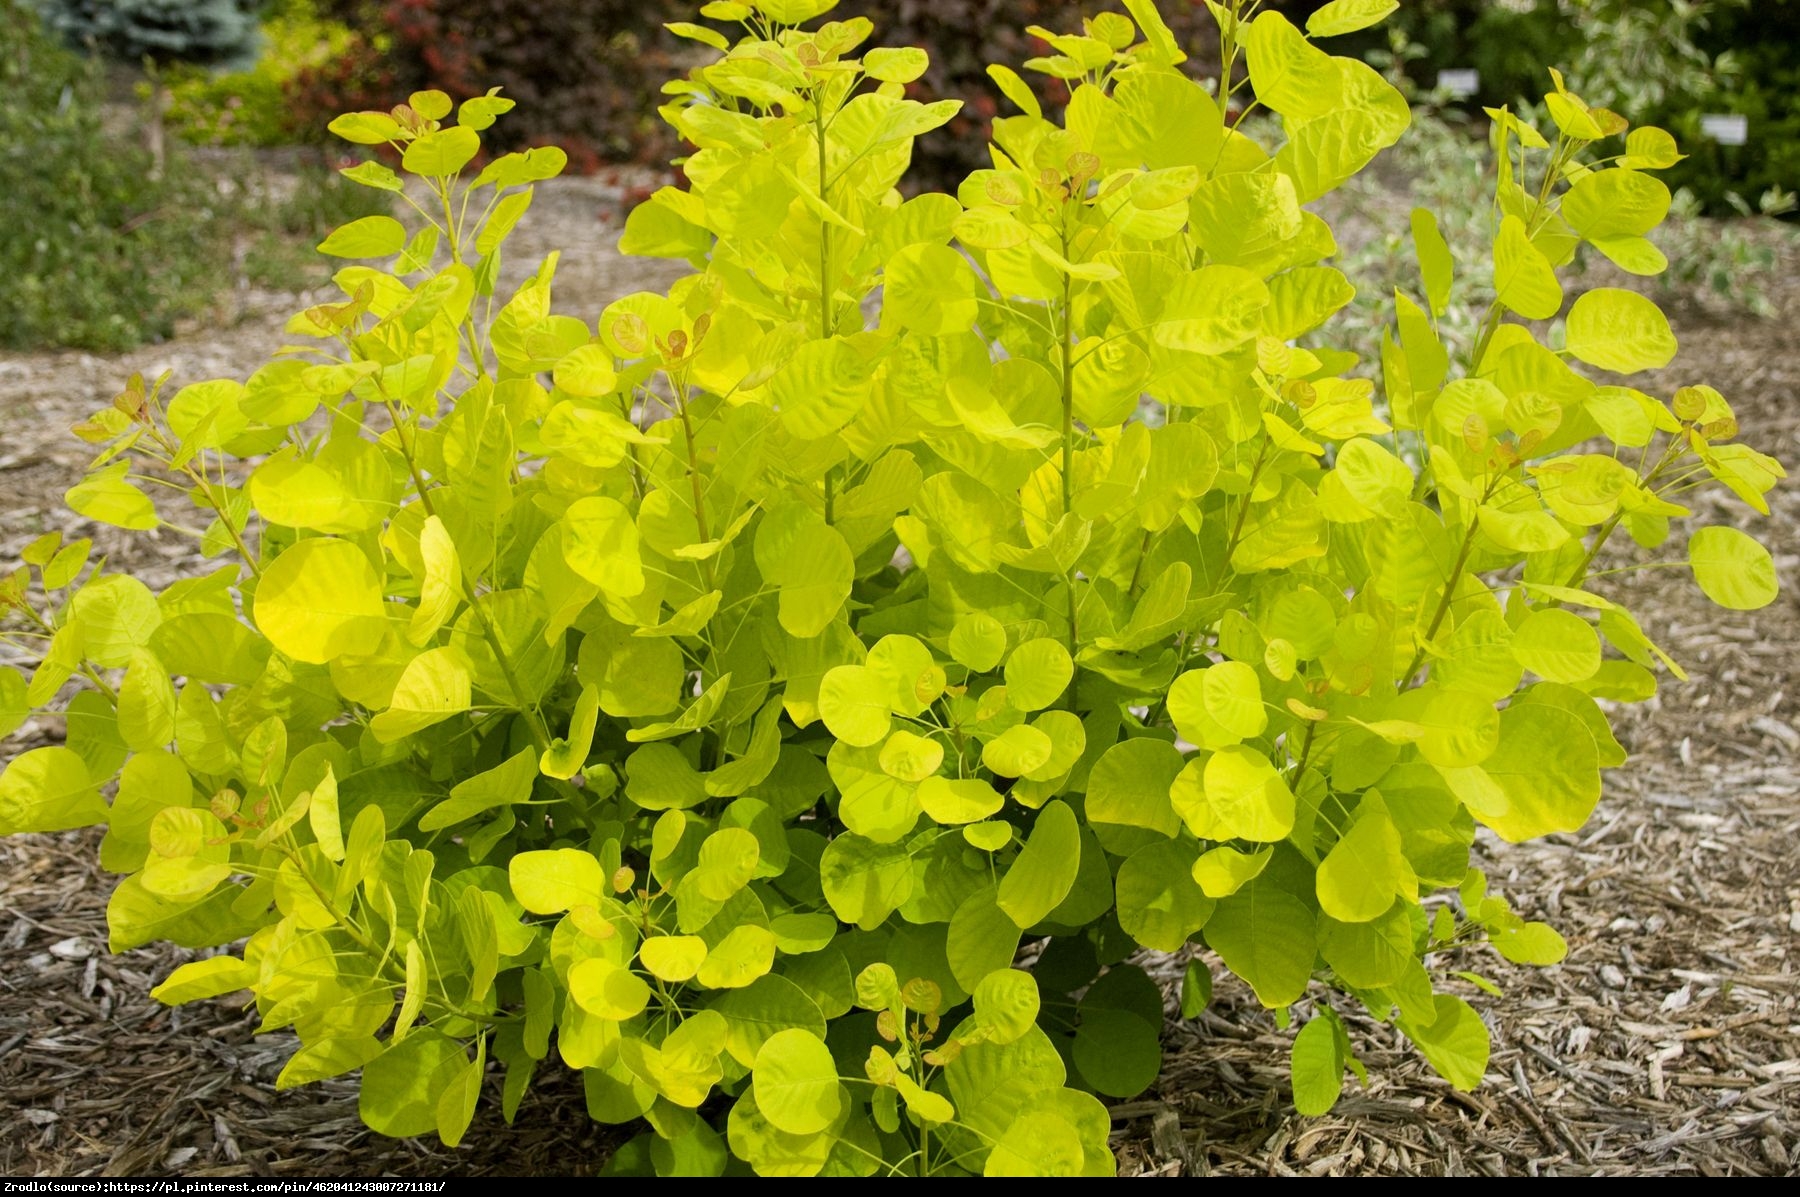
x: 1667, y: 1044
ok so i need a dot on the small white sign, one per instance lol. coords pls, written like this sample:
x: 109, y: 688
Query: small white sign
x: 1461, y: 83
x: 1725, y: 128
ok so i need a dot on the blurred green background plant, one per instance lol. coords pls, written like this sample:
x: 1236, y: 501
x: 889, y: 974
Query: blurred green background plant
x: 100, y: 251
x: 115, y: 234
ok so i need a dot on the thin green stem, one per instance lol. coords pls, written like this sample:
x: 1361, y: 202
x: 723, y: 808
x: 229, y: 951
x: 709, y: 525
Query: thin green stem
x: 343, y: 920
x: 87, y: 669
x: 1156, y: 713
x: 1579, y: 574
x: 1137, y: 572
x: 1490, y: 324
x: 1068, y: 455
x: 825, y: 288
x: 1444, y: 603
x: 1068, y: 396
x: 631, y: 454
x: 1306, y: 746
x: 212, y: 499
x: 693, y: 463
x: 534, y: 719
x: 452, y: 233
x: 1020, y: 312
x: 1237, y: 527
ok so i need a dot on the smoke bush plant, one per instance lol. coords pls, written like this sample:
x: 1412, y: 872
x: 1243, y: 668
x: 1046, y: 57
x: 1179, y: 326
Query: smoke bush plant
x: 720, y: 696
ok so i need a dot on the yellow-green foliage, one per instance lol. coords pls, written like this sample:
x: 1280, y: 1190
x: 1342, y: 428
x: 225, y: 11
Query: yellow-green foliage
x: 719, y: 696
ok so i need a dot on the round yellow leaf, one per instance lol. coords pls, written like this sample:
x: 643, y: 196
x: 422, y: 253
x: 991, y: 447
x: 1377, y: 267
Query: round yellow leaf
x: 321, y: 599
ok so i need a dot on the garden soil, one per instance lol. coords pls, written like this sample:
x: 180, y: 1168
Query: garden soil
x: 1668, y: 1043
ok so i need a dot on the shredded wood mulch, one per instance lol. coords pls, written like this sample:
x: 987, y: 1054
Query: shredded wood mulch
x: 1668, y: 1043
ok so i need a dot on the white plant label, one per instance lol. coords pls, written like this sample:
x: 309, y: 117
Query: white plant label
x: 1461, y: 83
x: 1726, y: 128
